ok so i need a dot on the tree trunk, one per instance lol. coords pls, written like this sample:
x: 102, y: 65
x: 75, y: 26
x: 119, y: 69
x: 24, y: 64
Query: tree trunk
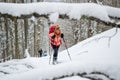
x: 22, y: 1
x: 16, y: 39
x: 12, y: 44
x: 6, y: 29
x: 95, y: 1
x: 35, y: 50
x: 89, y: 29
x: 14, y: 1
x: 32, y: 1
x: 26, y: 31
x: 23, y: 39
x: 113, y: 2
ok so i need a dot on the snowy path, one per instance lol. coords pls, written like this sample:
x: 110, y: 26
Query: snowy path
x: 92, y: 59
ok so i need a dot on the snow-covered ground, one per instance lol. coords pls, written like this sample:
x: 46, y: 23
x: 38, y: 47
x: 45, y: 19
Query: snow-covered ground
x: 95, y: 58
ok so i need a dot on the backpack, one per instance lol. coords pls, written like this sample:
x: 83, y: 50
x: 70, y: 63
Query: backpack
x: 52, y: 29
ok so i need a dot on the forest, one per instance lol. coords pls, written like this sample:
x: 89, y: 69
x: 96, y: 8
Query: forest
x: 30, y: 31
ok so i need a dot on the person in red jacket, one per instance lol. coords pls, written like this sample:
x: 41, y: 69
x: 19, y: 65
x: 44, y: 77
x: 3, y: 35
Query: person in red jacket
x: 55, y: 40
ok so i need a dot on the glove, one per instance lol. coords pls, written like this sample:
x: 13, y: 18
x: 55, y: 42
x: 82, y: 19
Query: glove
x: 53, y: 37
x: 62, y: 35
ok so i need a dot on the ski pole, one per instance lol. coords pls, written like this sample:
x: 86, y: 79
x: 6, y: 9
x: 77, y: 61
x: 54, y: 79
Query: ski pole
x: 49, y: 52
x: 67, y: 49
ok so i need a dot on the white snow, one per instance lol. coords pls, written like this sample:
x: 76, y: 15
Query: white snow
x: 118, y: 23
x: 74, y: 78
x: 114, y: 12
x: 27, y: 53
x: 88, y: 9
x: 73, y: 10
x: 54, y: 17
x: 88, y: 56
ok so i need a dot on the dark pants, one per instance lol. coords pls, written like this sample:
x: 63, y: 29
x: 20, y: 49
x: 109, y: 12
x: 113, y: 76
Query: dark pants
x: 40, y: 52
x: 55, y: 48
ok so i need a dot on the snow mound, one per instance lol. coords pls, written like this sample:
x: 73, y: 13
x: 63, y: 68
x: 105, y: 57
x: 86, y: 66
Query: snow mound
x: 95, y: 58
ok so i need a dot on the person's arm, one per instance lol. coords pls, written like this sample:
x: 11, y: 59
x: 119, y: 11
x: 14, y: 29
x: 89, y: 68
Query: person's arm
x: 53, y: 37
x: 62, y: 35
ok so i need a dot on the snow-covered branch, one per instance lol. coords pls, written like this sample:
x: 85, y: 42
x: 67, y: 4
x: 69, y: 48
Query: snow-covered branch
x: 73, y: 11
x: 87, y: 76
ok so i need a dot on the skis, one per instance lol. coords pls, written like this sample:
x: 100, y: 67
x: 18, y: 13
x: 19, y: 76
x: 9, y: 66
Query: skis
x: 56, y: 62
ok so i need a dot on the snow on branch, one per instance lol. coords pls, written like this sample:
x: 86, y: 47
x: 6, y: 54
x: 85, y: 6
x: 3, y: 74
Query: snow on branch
x: 72, y: 10
x: 53, y: 17
x: 86, y: 76
x: 113, y: 12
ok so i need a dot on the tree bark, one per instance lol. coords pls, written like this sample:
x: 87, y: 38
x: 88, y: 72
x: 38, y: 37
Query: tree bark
x: 6, y: 29
x: 35, y: 52
x: 22, y: 1
x: 23, y: 43
x: 89, y: 30
x: 16, y: 39
x: 26, y: 31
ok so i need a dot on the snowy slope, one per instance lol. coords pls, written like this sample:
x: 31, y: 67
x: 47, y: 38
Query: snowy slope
x: 92, y: 58
x: 72, y: 10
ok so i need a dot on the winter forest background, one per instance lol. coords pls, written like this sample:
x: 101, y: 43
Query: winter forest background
x: 31, y: 31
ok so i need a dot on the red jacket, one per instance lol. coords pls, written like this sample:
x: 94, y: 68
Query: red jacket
x: 56, y: 41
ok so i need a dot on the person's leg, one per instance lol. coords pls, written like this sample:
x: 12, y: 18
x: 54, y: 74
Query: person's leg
x: 55, y: 53
x: 55, y: 48
x: 40, y: 54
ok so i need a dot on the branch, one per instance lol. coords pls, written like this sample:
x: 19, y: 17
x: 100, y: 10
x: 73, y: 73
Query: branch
x: 86, y: 75
x: 97, y: 39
